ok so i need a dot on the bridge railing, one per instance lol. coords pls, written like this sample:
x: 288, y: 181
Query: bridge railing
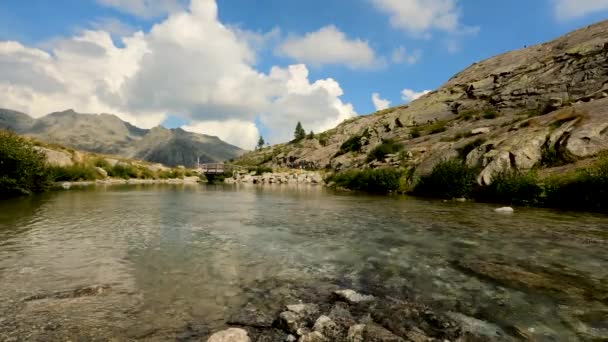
x: 218, y: 168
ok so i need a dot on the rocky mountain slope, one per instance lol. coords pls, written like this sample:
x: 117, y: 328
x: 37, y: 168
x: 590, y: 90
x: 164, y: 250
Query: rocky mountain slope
x: 542, y: 106
x: 108, y: 134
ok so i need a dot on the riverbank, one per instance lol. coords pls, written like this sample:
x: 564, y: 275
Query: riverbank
x: 287, y: 177
x: 120, y: 181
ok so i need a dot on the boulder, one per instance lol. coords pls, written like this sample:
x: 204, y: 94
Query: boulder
x: 328, y: 328
x: 56, y: 158
x: 480, y: 130
x: 314, y: 336
x: 291, y: 321
x: 504, y: 210
x: 230, y: 335
x: 101, y: 172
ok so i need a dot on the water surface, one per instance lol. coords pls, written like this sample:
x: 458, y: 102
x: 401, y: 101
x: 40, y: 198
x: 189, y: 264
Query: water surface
x: 173, y: 256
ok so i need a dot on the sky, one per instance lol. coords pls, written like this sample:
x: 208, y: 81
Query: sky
x: 238, y: 69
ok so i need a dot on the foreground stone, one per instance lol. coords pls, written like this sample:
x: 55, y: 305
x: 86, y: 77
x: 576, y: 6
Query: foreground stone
x: 353, y: 297
x: 230, y: 335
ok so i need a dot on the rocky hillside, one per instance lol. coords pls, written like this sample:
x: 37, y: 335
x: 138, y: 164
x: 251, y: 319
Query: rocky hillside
x: 543, y: 106
x: 107, y: 134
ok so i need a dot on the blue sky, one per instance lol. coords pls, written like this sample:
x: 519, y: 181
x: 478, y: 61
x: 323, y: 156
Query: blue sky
x: 351, y: 42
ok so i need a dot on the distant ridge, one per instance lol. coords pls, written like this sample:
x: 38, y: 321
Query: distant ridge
x: 108, y: 134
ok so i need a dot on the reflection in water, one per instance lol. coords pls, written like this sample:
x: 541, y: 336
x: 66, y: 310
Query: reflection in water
x: 177, y: 254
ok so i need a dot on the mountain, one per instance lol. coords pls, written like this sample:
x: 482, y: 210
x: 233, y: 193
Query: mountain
x: 537, y: 107
x: 108, y: 134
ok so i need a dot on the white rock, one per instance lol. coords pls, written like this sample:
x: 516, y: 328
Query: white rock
x: 505, y: 210
x: 480, y: 130
x: 230, y: 335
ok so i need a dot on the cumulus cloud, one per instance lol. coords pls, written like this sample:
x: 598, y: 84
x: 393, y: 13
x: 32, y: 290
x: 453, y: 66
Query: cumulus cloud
x: 409, y: 95
x: 380, y: 103
x: 329, y: 45
x: 401, y: 55
x: 190, y: 65
x: 113, y: 26
x: 420, y: 17
x: 145, y: 8
x: 570, y: 9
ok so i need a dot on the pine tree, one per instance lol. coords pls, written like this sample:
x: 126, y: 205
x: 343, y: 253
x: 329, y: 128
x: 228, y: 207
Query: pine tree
x: 261, y: 142
x: 300, y: 133
x: 311, y: 135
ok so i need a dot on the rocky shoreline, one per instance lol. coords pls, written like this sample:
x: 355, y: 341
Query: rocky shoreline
x: 133, y: 181
x: 349, y: 316
x: 291, y: 177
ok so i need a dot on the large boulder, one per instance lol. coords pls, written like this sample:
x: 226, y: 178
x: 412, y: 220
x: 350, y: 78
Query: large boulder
x: 56, y: 158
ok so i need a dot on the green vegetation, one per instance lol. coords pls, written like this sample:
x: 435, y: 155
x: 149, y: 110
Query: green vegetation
x: 369, y: 180
x: 353, y: 144
x: 260, y: 170
x: 299, y: 133
x: 490, y: 114
x: 512, y: 187
x: 467, y: 115
x: 323, y: 138
x: 451, y: 179
x: 310, y: 135
x: 415, y: 132
x: 23, y: 169
x: 73, y: 173
x: 387, y: 146
x: 261, y: 143
x: 437, y: 127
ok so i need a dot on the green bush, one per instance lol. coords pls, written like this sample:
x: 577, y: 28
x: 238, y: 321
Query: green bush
x: 490, y: 114
x: 352, y: 144
x: 512, y: 187
x: 73, y: 173
x: 121, y: 170
x: 467, y: 115
x: 449, y: 179
x: 369, y: 180
x: 102, y: 163
x: 260, y: 170
x: 23, y: 169
x: 415, y: 132
x: 437, y: 127
x: 585, y: 189
x: 387, y: 146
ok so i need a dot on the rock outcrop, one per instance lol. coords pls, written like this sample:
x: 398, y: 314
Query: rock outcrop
x: 519, y: 110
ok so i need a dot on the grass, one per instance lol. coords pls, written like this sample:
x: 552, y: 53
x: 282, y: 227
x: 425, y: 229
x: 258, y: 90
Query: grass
x: 387, y: 146
x: 512, y: 187
x: 74, y: 173
x: 353, y: 144
x: 490, y: 114
x: 437, y: 127
x: 415, y: 132
x: 370, y: 180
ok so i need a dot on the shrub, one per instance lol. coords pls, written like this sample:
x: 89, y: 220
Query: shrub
x: 369, y: 180
x: 415, y: 132
x: 323, y: 139
x: 352, y: 144
x: 512, y: 187
x: 260, y: 170
x: 449, y: 179
x: 490, y: 114
x: 386, y: 147
x: 585, y: 189
x: 102, y: 163
x: 437, y: 127
x: 73, y: 173
x: 23, y: 169
x: 467, y: 115
x: 122, y: 170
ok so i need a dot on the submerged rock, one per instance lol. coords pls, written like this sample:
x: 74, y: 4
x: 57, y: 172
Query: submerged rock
x: 230, y: 335
x: 251, y: 316
x: 504, y: 210
x: 353, y: 297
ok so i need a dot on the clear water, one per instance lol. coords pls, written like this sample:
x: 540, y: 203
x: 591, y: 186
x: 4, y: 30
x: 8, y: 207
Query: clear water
x: 173, y: 255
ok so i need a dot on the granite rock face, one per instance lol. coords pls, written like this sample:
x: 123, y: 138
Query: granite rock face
x: 518, y: 106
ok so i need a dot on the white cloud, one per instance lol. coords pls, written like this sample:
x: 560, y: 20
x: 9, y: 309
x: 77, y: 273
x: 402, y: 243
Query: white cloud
x: 113, y: 26
x: 409, y: 95
x: 189, y: 65
x: 569, y: 9
x: 401, y: 55
x: 380, y: 103
x: 420, y: 17
x: 145, y: 8
x: 238, y: 132
x: 329, y: 45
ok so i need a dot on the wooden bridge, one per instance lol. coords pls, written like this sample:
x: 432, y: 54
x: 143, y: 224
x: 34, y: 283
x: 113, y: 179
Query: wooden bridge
x: 218, y: 168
